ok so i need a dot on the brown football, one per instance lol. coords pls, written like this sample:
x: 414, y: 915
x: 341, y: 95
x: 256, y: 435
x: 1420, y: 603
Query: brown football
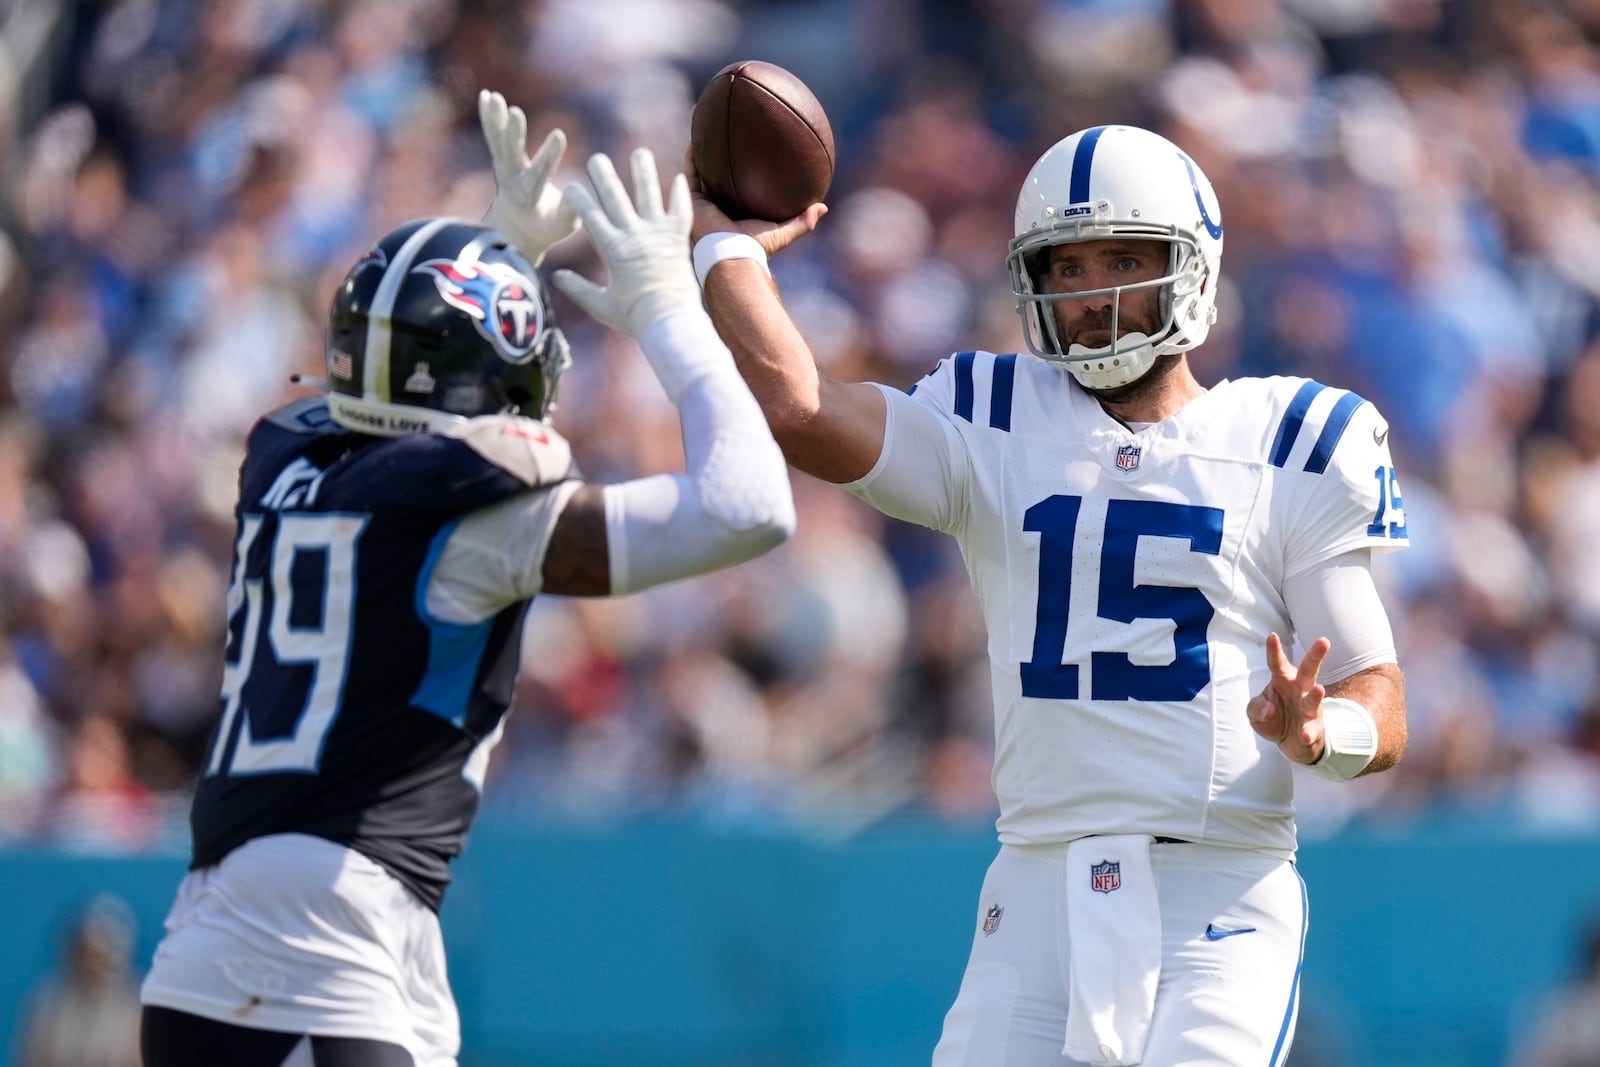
x: 761, y: 142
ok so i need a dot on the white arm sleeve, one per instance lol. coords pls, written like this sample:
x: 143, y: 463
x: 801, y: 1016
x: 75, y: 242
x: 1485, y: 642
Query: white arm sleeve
x: 734, y: 501
x: 920, y: 475
x: 733, y: 504
x: 1338, y: 599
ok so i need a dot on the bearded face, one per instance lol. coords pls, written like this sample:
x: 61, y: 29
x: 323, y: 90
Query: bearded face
x: 1089, y: 266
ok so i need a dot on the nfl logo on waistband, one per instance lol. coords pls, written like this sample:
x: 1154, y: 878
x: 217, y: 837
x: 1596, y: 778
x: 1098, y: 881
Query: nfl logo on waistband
x: 1128, y: 457
x: 991, y: 921
x: 1106, y: 875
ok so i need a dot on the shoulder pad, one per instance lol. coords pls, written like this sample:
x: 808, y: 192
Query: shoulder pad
x: 306, y: 415
x: 525, y: 448
x: 973, y: 386
x: 1309, y: 420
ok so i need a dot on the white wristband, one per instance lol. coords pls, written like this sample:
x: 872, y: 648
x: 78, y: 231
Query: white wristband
x: 1350, y: 739
x: 713, y: 248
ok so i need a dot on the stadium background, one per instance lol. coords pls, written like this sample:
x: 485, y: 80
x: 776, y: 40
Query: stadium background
x: 741, y: 820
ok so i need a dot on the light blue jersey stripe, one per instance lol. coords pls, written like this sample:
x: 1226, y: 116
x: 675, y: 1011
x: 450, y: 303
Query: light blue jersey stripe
x: 455, y: 650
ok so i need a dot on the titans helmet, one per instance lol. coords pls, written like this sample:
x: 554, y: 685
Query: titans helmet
x: 1118, y: 181
x: 440, y: 321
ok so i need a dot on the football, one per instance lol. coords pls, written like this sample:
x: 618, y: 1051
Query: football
x: 761, y: 142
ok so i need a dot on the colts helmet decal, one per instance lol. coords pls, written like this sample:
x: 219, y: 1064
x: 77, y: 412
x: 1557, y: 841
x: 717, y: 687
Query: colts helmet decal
x: 441, y: 321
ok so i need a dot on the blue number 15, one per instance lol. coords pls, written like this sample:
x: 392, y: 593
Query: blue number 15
x: 1121, y: 599
x: 1388, y: 501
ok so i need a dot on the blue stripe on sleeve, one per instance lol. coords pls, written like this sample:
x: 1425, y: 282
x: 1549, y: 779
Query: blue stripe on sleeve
x: 964, y: 384
x: 1293, y: 419
x: 1338, y: 419
x: 1005, y: 371
x: 1082, y: 163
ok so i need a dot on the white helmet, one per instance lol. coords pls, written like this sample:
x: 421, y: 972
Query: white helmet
x: 1125, y: 182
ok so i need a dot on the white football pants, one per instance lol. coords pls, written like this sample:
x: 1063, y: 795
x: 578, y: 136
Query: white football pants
x: 1233, y: 926
x: 300, y: 935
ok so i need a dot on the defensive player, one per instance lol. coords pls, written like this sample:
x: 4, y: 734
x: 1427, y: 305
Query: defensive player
x: 389, y: 538
x: 1145, y: 550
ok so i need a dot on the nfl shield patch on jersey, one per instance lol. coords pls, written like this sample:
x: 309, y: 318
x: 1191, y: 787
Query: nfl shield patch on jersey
x: 991, y: 920
x: 1106, y: 875
x: 1128, y: 457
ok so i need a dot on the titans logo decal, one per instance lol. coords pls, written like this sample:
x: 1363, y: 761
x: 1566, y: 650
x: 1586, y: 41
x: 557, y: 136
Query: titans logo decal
x: 500, y: 301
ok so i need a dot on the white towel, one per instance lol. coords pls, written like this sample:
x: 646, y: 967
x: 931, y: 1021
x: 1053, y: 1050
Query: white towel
x: 1113, y: 926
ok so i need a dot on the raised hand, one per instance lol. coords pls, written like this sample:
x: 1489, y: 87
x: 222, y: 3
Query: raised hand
x: 1288, y: 712
x: 772, y: 236
x: 527, y: 208
x: 645, y: 246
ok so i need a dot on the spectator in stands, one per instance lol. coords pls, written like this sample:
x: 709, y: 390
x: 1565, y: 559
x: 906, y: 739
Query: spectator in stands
x: 1566, y: 1032
x: 87, y: 1015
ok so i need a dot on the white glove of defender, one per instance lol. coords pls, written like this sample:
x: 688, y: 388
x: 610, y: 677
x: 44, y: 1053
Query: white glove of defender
x: 527, y: 208
x: 646, y: 250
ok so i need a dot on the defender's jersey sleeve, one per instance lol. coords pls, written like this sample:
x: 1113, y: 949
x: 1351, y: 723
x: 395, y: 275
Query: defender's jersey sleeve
x: 495, y: 556
x: 1342, y: 492
x: 922, y: 474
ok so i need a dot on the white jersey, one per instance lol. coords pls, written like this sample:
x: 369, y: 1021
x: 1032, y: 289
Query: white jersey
x: 1129, y: 580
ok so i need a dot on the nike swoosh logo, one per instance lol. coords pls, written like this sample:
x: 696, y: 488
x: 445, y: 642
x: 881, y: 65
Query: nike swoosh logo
x: 1380, y: 438
x: 1213, y: 934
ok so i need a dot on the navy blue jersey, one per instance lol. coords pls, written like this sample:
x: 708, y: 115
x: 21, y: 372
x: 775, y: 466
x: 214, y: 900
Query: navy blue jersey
x: 348, y: 711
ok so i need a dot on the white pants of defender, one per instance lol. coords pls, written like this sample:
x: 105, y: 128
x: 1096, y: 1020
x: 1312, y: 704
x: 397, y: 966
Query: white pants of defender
x: 1230, y: 1002
x: 297, y: 934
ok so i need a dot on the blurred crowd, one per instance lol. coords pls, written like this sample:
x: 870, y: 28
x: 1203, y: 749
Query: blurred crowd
x: 1410, y: 194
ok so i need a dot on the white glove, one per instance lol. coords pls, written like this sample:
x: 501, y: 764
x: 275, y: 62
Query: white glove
x: 646, y: 251
x: 527, y: 208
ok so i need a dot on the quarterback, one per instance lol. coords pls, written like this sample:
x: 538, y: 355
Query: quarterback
x: 1147, y: 552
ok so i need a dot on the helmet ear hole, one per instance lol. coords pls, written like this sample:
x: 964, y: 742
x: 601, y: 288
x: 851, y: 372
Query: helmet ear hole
x: 519, y: 398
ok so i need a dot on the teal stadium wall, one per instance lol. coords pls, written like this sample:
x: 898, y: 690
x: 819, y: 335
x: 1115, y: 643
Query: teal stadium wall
x: 678, y: 945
